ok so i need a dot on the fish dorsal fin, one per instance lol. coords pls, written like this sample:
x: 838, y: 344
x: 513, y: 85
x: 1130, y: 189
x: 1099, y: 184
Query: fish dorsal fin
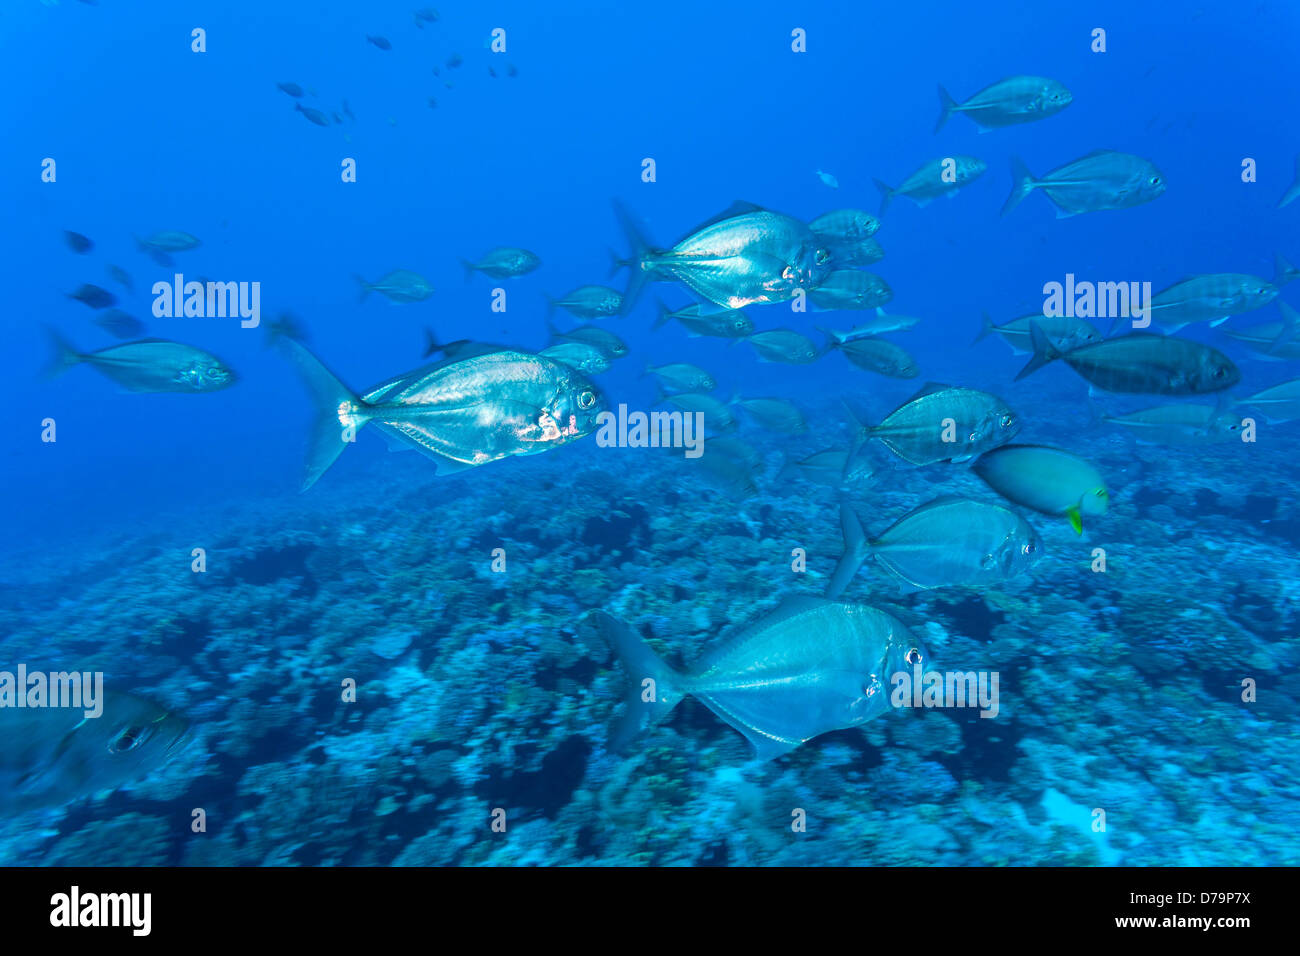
x: 738, y: 208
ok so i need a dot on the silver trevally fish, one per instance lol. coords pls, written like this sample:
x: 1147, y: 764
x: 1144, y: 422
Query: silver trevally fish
x: 503, y: 262
x: 588, y: 302
x: 948, y: 541
x: 1214, y: 297
x: 774, y: 414
x: 578, y: 355
x: 716, y: 414
x: 836, y: 467
x: 850, y: 289
x: 1104, y: 179
x: 603, y: 339
x: 682, y: 377
x: 1015, y: 99
x: 882, y: 323
x: 54, y: 755
x: 1063, y: 331
x: 461, y: 412
x: 1048, y: 480
x: 936, y: 178
x: 1294, y: 189
x: 804, y: 669
x: 1181, y: 424
x: 845, y: 225
x: 699, y: 320
x: 1280, y: 403
x: 784, y: 345
x: 1141, y: 363
x: 1273, y: 341
x: 745, y: 255
x: 148, y: 365
x: 400, y: 285
x: 877, y: 355
x: 168, y: 240
x: 860, y: 252
x: 945, y: 423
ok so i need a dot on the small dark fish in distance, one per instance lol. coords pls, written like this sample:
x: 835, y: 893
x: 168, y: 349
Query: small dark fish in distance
x: 381, y: 42
x: 120, y: 325
x: 93, y: 296
x: 77, y: 242
x: 314, y: 115
x: 293, y: 89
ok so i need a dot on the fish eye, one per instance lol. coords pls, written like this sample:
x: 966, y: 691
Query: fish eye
x: 913, y: 656
x: 1005, y: 421
x: 128, y: 740
x: 1155, y: 180
x: 1101, y: 493
x: 586, y: 399
x: 823, y: 256
x: 1028, y: 548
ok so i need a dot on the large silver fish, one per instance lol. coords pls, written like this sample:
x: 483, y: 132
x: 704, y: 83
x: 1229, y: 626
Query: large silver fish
x: 945, y: 423
x: 1273, y: 341
x: 805, y: 669
x: 948, y: 541
x: 51, y: 756
x: 746, y: 255
x: 1103, y: 179
x: 1141, y: 363
x: 149, y: 365
x: 461, y: 413
x: 1015, y: 99
x: 938, y: 177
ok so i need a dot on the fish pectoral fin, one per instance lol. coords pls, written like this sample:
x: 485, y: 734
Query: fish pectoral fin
x: 402, y: 436
x: 1076, y: 520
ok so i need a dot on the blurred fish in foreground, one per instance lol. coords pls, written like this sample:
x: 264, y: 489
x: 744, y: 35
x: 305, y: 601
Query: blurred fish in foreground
x: 55, y: 755
x: 77, y: 242
x: 804, y: 669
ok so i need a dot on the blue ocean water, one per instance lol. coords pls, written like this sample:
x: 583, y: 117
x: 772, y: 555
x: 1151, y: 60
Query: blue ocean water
x: 480, y: 698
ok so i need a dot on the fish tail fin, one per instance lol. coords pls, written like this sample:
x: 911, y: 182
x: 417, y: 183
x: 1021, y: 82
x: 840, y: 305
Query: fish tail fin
x: 986, y: 327
x: 1283, y: 271
x: 886, y: 196
x: 946, y: 105
x: 1022, y: 184
x: 65, y: 355
x: 1044, y: 351
x: 338, y: 409
x: 832, y: 340
x: 469, y: 270
x: 365, y: 287
x: 551, y: 330
x: 639, y: 248
x: 431, y: 345
x: 663, y: 314
x: 855, y: 551
x: 651, y: 687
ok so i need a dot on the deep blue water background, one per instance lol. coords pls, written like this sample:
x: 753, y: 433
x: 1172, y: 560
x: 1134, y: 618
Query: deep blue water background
x: 150, y: 136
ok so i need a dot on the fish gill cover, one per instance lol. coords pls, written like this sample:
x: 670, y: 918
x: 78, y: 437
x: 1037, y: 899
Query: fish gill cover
x: 659, y: 507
